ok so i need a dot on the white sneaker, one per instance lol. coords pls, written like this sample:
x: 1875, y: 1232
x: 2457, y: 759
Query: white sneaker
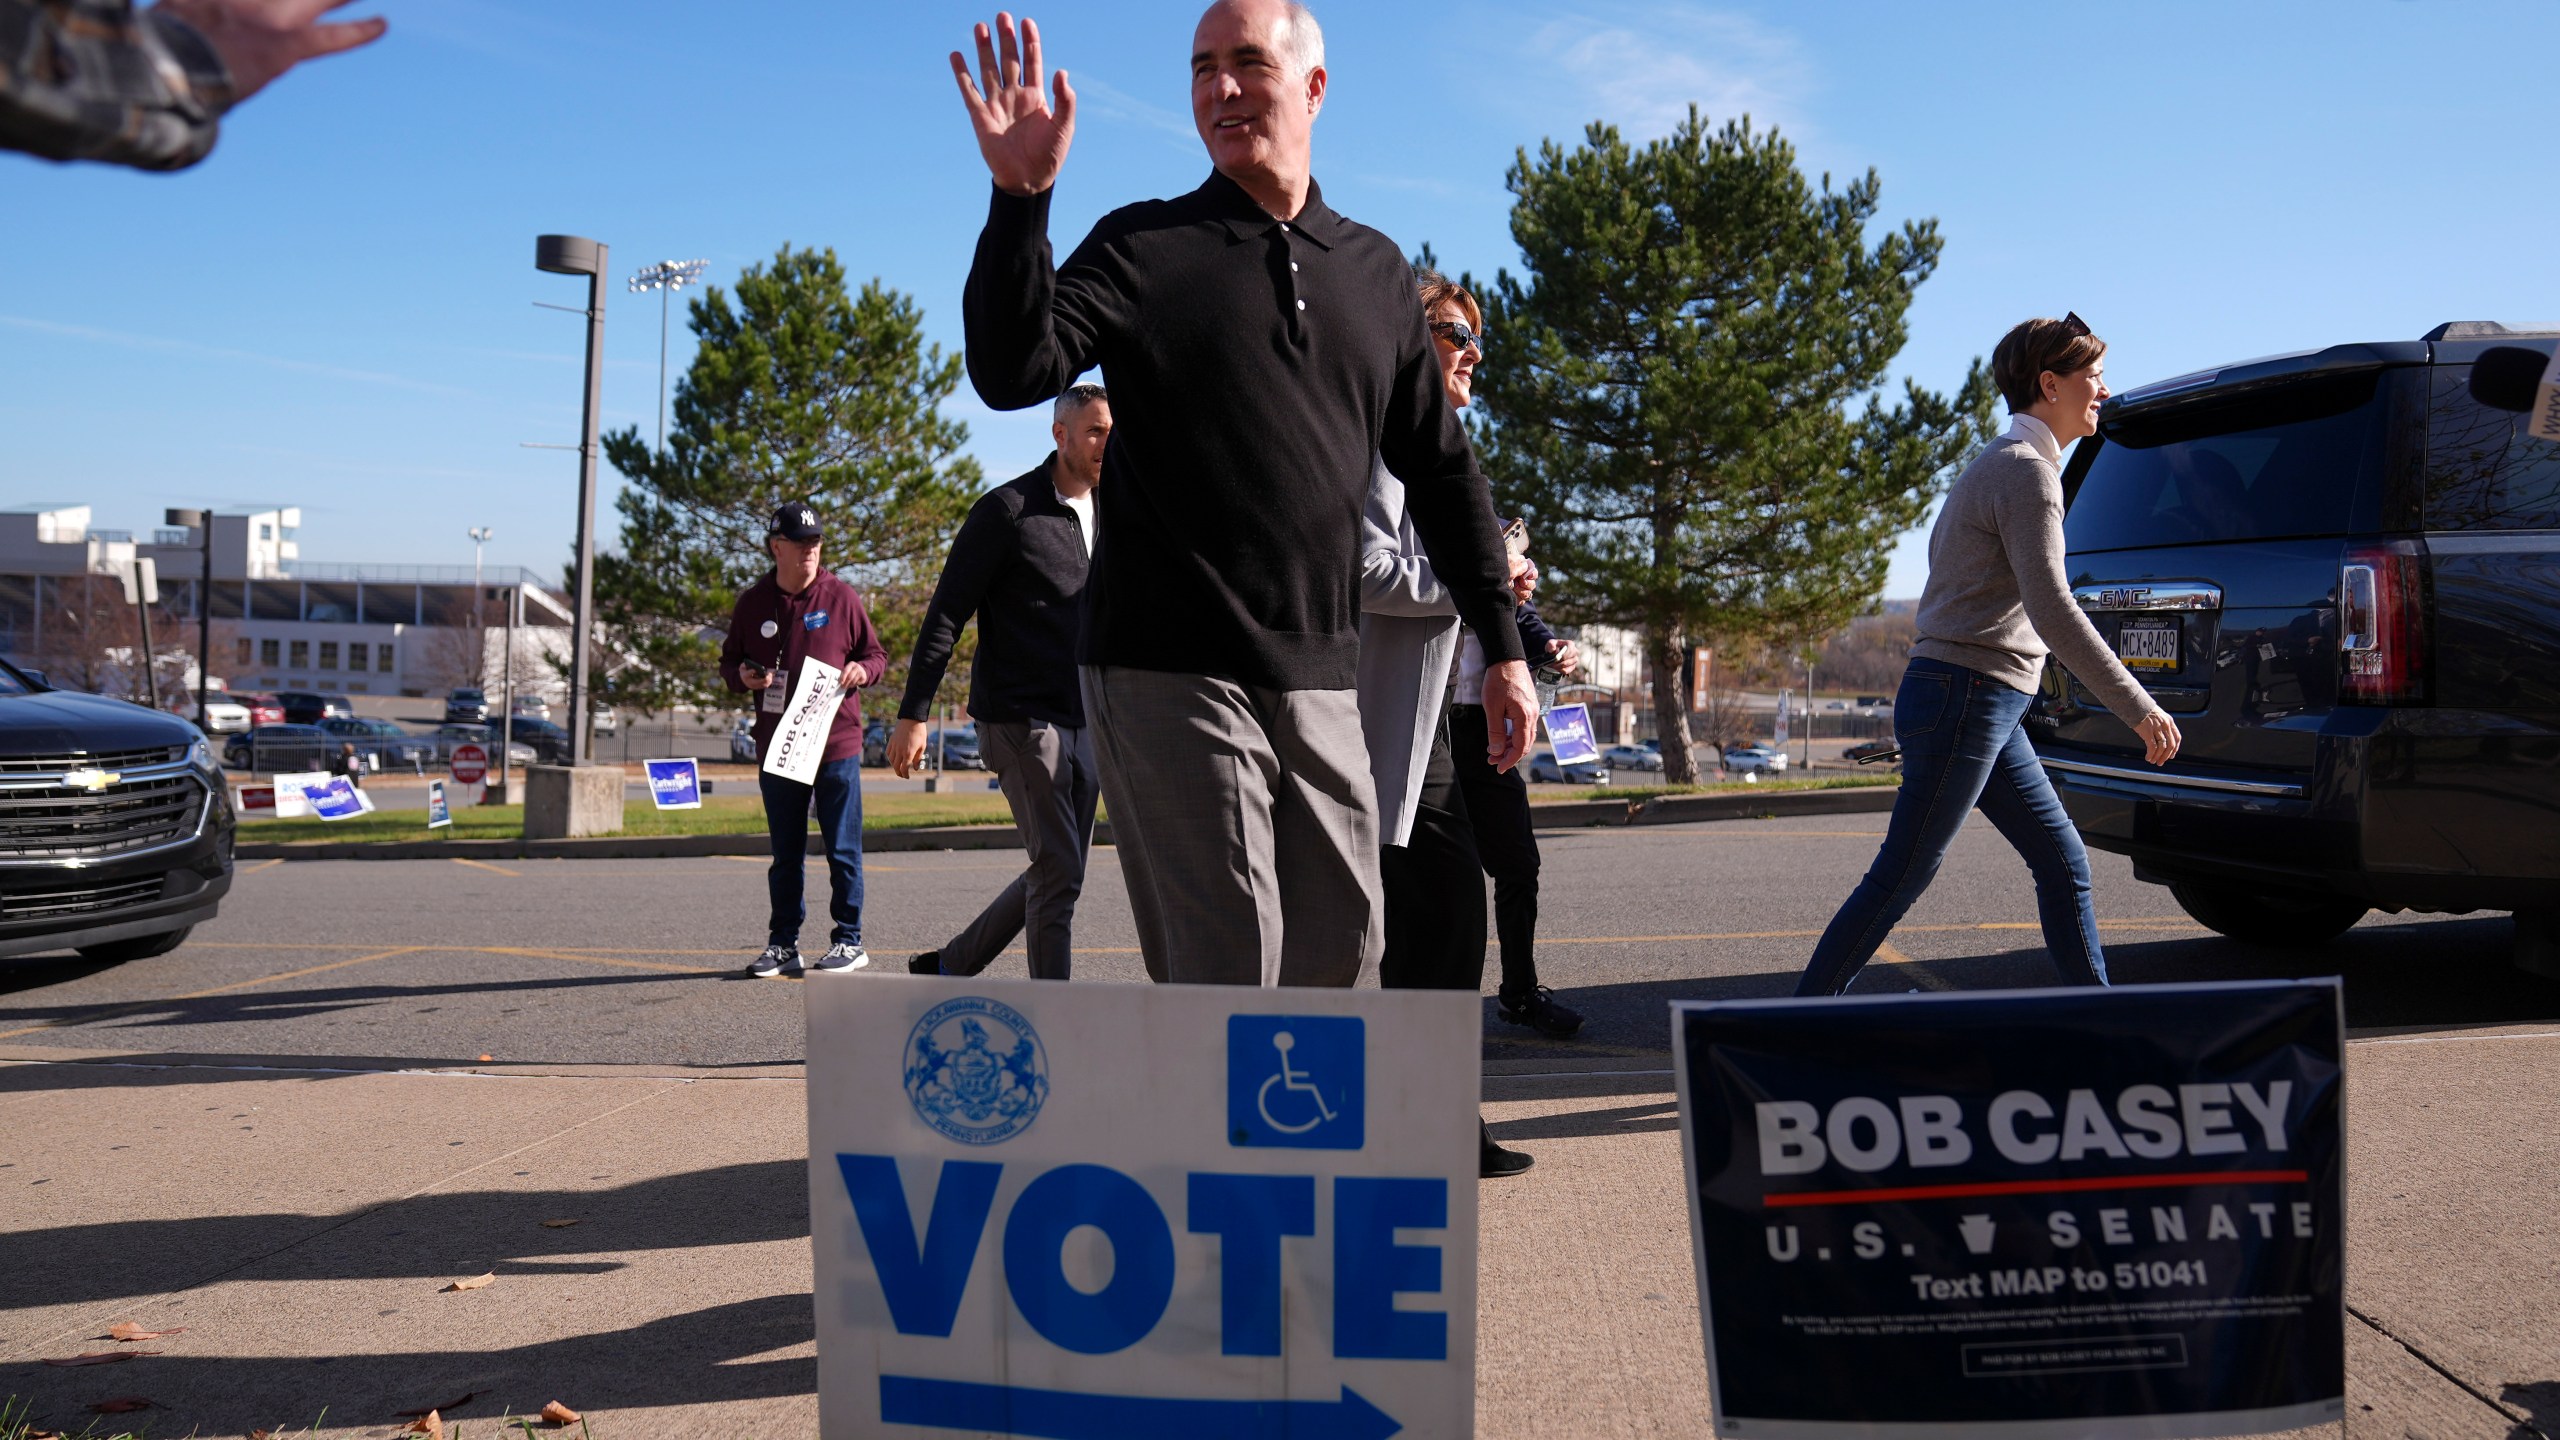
x: 842, y: 960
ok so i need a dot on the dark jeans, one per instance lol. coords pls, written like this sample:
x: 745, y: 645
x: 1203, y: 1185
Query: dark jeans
x: 786, y: 818
x: 1506, y: 841
x: 1435, y: 887
x: 1964, y: 744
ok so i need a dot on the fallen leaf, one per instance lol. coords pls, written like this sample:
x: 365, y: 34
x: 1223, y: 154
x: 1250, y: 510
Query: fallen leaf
x: 558, y: 1224
x: 127, y: 1330
x: 474, y: 1283
x: 556, y: 1413
x: 260, y: 1434
x: 121, y: 1405
x: 448, y: 1405
x: 484, y: 1059
x: 430, y: 1424
x: 103, y: 1357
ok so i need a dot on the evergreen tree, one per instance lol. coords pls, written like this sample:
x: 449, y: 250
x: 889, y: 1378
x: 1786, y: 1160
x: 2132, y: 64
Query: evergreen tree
x: 1685, y: 395
x: 798, y: 391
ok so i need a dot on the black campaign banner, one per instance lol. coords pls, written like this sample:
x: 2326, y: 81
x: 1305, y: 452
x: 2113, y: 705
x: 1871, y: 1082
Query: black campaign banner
x: 2075, y: 1212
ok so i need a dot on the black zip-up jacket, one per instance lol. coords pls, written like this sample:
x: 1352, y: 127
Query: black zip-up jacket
x: 1255, y: 367
x: 1019, y: 565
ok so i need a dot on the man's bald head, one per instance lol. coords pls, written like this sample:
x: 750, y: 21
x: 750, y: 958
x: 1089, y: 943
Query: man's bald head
x: 1257, y: 81
x: 1293, y: 25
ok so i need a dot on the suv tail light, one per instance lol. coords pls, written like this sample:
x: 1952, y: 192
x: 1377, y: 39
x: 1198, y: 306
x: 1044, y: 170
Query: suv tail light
x: 2383, y: 624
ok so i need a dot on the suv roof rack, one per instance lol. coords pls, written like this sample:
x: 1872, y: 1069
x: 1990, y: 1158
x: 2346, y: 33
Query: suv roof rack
x: 2484, y: 330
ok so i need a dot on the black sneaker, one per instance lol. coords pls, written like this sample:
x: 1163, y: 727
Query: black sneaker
x: 928, y: 963
x: 776, y: 960
x: 1495, y: 1163
x: 1539, y: 1011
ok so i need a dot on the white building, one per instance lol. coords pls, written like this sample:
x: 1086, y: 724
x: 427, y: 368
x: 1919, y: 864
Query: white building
x: 279, y: 623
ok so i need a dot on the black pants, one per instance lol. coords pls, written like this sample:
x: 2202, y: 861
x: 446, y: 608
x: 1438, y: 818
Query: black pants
x: 1498, y: 807
x: 1435, y: 888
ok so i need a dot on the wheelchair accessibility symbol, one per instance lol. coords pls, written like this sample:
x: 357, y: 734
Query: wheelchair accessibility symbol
x: 1296, y: 1081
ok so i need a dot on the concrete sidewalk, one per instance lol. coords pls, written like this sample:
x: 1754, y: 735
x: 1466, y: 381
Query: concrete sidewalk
x: 300, y: 1226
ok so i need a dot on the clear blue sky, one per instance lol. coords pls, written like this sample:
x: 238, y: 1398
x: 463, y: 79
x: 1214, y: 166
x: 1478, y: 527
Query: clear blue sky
x: 334, y: 310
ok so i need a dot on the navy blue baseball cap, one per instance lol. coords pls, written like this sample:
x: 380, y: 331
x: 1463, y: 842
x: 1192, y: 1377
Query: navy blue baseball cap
x: 793, y: 520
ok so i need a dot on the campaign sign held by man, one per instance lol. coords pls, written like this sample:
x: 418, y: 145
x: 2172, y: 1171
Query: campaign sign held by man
x: 1569, y: 731
x: 2076, y: 1212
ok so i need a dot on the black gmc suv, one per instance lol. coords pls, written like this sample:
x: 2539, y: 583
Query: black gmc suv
x: 2341, y: 574
x: 115, y: 824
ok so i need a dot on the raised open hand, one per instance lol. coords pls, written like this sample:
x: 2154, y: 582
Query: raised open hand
x: 1021, y: 135
x: 259, y: 40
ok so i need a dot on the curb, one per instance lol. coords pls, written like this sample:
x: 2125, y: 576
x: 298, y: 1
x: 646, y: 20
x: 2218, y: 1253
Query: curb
x: 1578, y: 814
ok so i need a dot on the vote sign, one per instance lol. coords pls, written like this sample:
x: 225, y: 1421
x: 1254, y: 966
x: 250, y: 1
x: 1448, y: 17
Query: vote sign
x: 1107, y: 1212
x: 2072, y: 1212
x: 470, y: 764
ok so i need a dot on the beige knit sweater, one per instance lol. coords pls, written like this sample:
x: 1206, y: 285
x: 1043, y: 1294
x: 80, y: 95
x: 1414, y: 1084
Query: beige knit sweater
x: 1998, y: 597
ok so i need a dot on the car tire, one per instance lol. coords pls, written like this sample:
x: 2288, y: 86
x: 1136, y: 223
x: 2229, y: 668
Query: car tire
x: 2278, y: 919
x: 140, y: 947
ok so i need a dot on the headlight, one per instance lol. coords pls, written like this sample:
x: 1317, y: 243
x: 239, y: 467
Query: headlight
x: 201, y: 755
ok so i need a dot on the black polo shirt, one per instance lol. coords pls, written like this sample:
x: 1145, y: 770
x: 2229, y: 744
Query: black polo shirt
x: 1255, y: 368
x: 1019, y: 565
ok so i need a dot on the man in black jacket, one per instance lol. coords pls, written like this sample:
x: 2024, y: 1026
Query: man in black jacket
x: 1019, y: 565
x: 1262, y: 352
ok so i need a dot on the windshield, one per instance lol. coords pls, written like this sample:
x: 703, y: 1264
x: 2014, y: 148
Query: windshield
x: 2301, y: 460
x: 13, y: 683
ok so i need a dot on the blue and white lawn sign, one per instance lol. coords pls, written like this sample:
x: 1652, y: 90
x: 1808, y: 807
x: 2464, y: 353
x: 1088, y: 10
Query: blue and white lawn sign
x: 439, y: 813
x: 337, y: 798
x: 1124, y: 1212
x: 675, y: 784
x: 1569, y: 731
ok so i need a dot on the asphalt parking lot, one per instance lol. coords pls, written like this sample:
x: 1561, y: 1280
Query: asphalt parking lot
x: 621, y: 962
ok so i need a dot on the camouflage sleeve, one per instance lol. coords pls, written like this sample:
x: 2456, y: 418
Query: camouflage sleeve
x: 93, y: 80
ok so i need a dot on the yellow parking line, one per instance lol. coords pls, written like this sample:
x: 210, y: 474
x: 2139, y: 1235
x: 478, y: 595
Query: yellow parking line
x: 254, y: 869
x: 605, y: 959
x: 1889, y: 953
x: 485, y: 865
x: 142, y: 1005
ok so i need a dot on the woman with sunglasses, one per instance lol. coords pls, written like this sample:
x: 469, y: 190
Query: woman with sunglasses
x: 1998, y: 600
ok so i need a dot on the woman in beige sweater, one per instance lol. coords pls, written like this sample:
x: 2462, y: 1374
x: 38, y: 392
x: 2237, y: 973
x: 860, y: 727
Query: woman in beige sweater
x: 1997, y: 601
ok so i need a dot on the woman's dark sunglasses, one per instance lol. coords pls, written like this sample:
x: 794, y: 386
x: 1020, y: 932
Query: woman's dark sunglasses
x: 1458, y: 335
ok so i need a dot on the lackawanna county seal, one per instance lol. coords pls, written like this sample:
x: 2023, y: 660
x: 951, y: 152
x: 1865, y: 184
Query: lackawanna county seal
x: 975, y: 1070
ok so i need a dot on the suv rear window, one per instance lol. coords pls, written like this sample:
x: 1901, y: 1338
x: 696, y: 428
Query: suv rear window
x: 2304, y: 459
x: 2483, y: 471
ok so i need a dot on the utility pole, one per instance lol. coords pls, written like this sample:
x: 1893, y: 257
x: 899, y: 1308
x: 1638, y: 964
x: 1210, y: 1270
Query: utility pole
x: 480, y: 535
x: 577, y: 255
x: 200, y: 521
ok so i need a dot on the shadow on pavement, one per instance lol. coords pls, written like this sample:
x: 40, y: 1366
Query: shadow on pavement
x: 704, y: 1357
x: 1662, y: 1114
x: 442, y: 1234
x: 284, y: 1004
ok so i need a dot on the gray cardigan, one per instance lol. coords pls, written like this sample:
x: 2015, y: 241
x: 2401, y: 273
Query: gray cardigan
x: 1998, y: 597
x: 1408, y: 636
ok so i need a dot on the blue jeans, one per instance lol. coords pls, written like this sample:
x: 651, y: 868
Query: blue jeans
x: 786, y: 818
x: 1964, y: 745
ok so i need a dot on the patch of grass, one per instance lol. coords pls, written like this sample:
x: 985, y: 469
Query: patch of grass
x: 719, y: 815
x: 1729, y: 787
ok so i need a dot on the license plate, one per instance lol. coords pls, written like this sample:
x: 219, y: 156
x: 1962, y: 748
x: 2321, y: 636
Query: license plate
x: 2151, y: 645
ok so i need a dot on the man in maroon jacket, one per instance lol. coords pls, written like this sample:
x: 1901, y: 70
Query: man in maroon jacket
x: 802, y: 611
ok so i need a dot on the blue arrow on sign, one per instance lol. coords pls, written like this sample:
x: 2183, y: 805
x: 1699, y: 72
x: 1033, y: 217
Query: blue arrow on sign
x: 1069, y: 1415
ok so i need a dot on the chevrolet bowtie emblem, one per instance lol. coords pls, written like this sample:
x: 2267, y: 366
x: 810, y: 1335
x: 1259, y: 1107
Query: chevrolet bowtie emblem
x: 92, y: 781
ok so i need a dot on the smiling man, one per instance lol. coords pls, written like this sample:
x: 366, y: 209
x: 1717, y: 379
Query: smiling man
x: 1260, y: 350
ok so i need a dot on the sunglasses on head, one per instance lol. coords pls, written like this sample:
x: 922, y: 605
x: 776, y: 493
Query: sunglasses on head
x: 2073, y: 327
x: 1458, y: 335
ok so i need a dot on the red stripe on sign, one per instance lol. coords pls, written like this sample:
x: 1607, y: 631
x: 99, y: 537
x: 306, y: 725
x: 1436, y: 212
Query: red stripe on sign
x: 2037, y: 1187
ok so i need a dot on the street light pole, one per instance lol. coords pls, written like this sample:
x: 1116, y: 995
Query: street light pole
x: 666, y: 277
x: 201, y: 521
x: 577, y: 255
x: 480, y: 535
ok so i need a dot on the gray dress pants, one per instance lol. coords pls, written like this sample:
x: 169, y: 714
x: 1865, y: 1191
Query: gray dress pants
x: 1049, y: 779
x: 1246, y: 824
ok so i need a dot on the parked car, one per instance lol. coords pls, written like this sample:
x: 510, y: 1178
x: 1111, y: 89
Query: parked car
x: 530, y: 706
x: 1631, y: 757
x: 222, y: 714
x: 550, y: 742
x: 263, y: 709
x: 267, y: 749
x: 1754, y: 760
x: 742, y: 742
x: 875, y: 744
x: 466, y: 705
x: 308, y: 707
x: 395, y: 747
x: 603, y: 721
x: 116, y: 838
x: 2333, y: 569
x: 1874, y: 751
x: 1543, y: 767
x: 957, y: 745
x: 484, y: 736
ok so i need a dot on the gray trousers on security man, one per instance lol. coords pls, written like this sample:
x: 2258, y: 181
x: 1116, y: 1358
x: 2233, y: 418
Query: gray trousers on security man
x: 1048, y: 776
x: 1246, y: 824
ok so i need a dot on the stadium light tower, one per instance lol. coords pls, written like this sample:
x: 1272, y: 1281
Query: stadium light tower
x: 666, y: 277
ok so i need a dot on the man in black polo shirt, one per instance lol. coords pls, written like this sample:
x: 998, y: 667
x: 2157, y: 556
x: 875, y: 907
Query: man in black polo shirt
x: 1261, y: 350
x: 1019, y: 564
